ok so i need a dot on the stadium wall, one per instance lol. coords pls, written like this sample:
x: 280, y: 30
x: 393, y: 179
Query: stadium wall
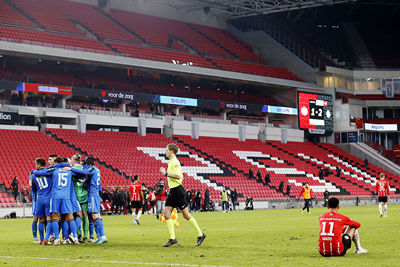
x: 211, y: 129
x: 276, y: 54
x: 342, y: 116
x: 18, y: 127
x: 275, y: 134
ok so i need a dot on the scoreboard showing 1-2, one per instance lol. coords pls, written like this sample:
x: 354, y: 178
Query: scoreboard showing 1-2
x: 315, y: 112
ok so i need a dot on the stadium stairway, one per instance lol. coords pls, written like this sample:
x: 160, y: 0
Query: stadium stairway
x: 236, y: 175
x: 362, y: 150
x: 20, y: 11
x: 127, y: 29
x: 71, y: 25
x: 197, y: 51
x: 92, y: 33
x: 294, y: 163
x: 133, y: 154
x: 357, y: 165
x: 354, y: 178
x: 212, y: 40
x: 291, y: 152
x: 21, y: 148
x: 101, y: 163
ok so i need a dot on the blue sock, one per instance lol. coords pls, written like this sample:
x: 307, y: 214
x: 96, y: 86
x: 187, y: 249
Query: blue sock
x: 56, y: 229
x: 101, y: 227
x: 72, y: 226
x: 34, y: 229
x: 41, y: 231
x: 96, y: 227
x: 91, y: 230
x: 49, y: 229
x: 65, y: 229
x: 78, y: 222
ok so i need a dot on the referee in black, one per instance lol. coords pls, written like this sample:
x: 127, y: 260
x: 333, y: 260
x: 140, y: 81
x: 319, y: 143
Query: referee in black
x: 177, y: 196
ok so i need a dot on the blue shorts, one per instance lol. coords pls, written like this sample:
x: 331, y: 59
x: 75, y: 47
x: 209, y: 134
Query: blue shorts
x: 94, y: 204
x: 60, y: 206
x: 75, y: 206
x: 42, y: 208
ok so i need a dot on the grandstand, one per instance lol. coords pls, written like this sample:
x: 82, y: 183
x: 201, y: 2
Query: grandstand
x: 120, y: 82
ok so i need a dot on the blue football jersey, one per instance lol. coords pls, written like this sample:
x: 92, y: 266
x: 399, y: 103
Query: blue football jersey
x: 95, y: 183
x: 43, y: 186
x: 62, y: 183
x: 48, y: 171
x: 33, y: 190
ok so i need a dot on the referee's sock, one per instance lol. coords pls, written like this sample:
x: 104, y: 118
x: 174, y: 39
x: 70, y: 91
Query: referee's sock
x: 171, y: 230
x: 196, y: 227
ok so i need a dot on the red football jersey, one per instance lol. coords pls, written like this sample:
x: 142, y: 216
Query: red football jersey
x: 331, y: 225
x: 152, y: 196
x: 382, y: 188
x: 162, y: 195
x: 135, y: 189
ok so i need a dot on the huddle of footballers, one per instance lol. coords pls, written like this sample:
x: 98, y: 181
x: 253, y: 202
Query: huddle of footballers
x: 66, y: 193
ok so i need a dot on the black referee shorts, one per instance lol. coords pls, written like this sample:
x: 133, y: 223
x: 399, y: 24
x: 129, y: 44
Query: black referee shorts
x: 177, y: 198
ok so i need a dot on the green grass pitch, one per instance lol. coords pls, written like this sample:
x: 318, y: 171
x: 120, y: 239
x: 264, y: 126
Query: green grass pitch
x: 244, y: 238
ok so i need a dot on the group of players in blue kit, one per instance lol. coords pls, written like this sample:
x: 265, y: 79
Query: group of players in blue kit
x: 55, y: 193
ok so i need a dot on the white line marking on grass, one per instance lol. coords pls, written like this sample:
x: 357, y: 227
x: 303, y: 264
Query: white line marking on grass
x: 117, y: 262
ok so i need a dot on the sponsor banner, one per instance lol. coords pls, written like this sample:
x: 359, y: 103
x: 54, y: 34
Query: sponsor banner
x: 180, y: 101
x: 9, y: 117
x: 44, y: 88
x: 234, y: 105
x: 117, y: 95
x: 279, y: 110
x: 380, y: 127
x: 112, y: 94
x: 215, y: 104
x: 316, y: 131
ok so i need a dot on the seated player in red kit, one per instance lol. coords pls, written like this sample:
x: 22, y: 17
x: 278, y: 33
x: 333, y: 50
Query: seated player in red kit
x: 336, y: 232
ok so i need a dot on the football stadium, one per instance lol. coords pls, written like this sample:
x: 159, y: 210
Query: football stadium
x: 199, y: 133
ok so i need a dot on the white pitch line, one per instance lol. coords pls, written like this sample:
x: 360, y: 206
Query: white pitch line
x: 117, y: 262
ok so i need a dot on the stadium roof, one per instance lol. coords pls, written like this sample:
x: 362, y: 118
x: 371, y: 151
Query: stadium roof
x: 244, y: 8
